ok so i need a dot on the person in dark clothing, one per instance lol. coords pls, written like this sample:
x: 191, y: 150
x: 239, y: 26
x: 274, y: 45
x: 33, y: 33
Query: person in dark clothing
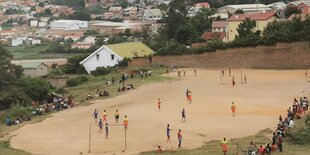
x: 279, y: 143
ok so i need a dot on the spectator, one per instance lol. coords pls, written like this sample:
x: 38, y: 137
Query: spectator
x: 261, y: 150
x: 279, y: 143
x: 8, y: 121
x: 268, y: 149
x: 252, y: 149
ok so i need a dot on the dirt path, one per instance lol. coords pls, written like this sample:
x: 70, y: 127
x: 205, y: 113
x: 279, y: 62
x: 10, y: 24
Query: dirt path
x: 267, y: 94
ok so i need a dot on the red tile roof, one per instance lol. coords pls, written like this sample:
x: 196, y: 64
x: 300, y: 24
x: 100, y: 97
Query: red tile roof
x: 204, y: 4
x: 252, y: 16
x: 219, y: 24
x: 213, y: 35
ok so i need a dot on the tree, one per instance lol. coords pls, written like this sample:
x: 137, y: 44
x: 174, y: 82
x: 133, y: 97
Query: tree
x: 291, y: 10
x: 172, y: 47
x: 70, y: 3
x: 80, y: 15
x: 186, y: 34
x: 176, y: 16
x: 247, y: 28
x: 239, y: 11
x: 73, y: 65
x: 37, y: 89
x: 47, y: 12
x: 127, y: 32
x: 41, y: 4
x: 10, y: 89
x: 201, y: 20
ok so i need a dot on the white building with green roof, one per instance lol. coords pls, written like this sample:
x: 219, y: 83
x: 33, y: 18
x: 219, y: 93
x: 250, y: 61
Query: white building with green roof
x: 110, y: 55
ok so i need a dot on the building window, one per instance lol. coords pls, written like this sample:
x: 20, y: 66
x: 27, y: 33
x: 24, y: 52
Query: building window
x: 112, y: 56
x: 97, y: 56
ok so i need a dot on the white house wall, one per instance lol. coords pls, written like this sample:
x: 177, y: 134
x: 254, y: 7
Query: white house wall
x: 103, y: 61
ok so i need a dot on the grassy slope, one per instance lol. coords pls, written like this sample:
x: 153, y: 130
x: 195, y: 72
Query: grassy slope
x: 5, y: 149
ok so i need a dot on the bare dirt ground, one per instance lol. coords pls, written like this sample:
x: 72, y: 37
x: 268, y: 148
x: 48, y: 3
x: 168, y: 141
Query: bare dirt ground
x: 266, y: 95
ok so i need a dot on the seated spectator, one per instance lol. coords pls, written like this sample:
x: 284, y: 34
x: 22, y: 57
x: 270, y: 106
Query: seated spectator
x: 131, y: 86
x: 106, y: 93
x: 261, y: 150
x: 17, y: 121
x: 252, y: 149
x: 8, y: 121
x: 89, y: 97
x: 159, y: 149
x: 268, y: 149
x: 291, y: 124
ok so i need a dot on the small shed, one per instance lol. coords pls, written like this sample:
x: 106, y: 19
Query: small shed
x: 35, y: 69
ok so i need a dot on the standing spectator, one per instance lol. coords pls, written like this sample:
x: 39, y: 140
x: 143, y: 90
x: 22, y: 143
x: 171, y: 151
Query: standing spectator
x: 279, y: 143
x: 280, y: 119
x: 224, y: 146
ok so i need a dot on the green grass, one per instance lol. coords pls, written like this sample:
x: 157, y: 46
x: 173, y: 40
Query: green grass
x: 5, y: 149
x: 33, y: 52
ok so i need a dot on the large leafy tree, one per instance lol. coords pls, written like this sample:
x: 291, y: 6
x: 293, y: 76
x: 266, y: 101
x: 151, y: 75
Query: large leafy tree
x: 292, y: 10
x: 247, y: 28
x: 176, y: 15
x: 201, y: 20
x: 186, y: 34
x: 10, y: 91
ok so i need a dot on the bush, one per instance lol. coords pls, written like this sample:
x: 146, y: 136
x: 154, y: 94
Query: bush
x: 55, y: 72
x: 76, y: 81
x: 124, y: 62
x: 17, y: 111
x: 102, y: 71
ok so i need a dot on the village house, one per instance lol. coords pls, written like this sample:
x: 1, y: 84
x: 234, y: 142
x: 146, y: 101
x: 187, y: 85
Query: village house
x: 303, y: 5
x: 262, y: 19
x: 209, y: 36
x: 201, y: 5
x: 110, y: 28
x: 219, y: 26
x: 246, y: 8
x: 110, y: 55
x: 17, y: 42
x: 34, y: 69
x: 82, y: 45
x: 152, y: 14
x: 68, y: 24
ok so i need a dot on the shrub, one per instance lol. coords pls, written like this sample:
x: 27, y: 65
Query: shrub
x: 17, y: 111
x: 124, y: 62
x: 55, y: 72
x: 76, y: 81
x: 102, y: 71
x: 82, y: 79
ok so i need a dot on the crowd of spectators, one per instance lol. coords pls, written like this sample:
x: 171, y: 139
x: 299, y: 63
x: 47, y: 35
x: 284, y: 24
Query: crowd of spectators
x: 296, y: 111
